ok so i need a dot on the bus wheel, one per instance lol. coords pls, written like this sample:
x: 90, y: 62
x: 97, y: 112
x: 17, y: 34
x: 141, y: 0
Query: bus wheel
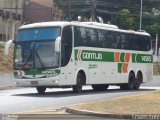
x: 78, y: 87
x: 137, y: 82
x: 41, y: 90
x: 100, y: 87
x: 131, y: 82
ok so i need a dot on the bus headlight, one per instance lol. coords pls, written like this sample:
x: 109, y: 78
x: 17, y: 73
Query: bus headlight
x: 55, y: 81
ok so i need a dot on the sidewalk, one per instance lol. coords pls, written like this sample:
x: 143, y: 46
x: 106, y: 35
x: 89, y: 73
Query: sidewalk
x: 6, y: 81
x: 154, y: 83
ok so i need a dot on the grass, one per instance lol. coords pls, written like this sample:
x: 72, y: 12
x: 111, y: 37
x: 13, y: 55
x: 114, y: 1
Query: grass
x: 6, y: 62
x: 144, y: 103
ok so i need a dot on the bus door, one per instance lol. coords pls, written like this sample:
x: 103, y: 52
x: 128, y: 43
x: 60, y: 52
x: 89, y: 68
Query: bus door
x: 67, y: 64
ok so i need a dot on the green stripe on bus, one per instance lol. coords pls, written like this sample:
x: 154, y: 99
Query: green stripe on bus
x: 38, y: 72
x: 133, y: 58
x: 102, y: 56
x: 119, y: 67
x: 122, y: 57
x: 142, y: 58
x: 88, y: 55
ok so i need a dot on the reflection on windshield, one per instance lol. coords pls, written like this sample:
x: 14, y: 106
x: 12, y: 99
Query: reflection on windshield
x: 45, y: 55
x: 35, y: 48
x: 36, y: 55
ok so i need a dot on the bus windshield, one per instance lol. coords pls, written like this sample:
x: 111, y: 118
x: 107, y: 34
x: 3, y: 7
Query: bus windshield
x: 35, y: 48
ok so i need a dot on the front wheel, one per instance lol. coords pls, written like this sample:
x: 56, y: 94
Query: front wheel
x: 41, y: 90
x: 80, y: 81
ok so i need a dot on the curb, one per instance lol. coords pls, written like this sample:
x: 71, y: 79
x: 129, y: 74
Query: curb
x: 97, y: 114
x: 7, y: 87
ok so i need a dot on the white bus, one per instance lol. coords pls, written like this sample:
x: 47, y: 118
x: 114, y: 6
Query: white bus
x: 73, y: 54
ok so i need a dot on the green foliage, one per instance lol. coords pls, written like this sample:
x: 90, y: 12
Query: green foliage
x: 123, y: 13
x: 1, y: 45
x: 123, y: 19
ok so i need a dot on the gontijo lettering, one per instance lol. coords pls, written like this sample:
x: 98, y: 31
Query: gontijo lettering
x: 96, y: 56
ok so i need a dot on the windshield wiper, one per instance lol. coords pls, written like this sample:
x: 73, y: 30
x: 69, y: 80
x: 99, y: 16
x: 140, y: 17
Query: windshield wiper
x: 40, y: 60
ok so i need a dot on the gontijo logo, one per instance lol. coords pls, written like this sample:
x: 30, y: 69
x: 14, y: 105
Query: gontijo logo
x: 92, y: 56
x: 89, y: 55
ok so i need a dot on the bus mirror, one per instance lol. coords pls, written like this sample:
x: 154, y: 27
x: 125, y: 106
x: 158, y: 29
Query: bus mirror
x: 57, y: 44
x: 7, y: 46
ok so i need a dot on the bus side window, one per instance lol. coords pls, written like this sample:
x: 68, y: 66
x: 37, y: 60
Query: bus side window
x: 101, y: 38
x: 147, y: 43
x: 76, y: 37
x: 66, y: 45
x: 131, y: 42
x: 88, y: 38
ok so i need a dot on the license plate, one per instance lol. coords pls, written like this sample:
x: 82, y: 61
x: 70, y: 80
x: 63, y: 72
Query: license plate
x: 34, y: 82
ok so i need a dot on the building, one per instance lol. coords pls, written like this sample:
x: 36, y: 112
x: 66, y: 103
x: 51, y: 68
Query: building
x: 14, y: 13
x: 41, y: 11
x: 11, y: 14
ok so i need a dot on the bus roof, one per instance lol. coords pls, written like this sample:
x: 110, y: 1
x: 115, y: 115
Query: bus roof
x: 44, y: 24
x: 84, y: 24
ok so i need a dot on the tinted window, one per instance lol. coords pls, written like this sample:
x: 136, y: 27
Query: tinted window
x: 139, y: 42
x: 110, y: 39
x: 66, y: 45
x: 86, y: 37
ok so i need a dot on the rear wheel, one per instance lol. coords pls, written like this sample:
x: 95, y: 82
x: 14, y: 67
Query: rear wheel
x: 131, y: 83
x: 138, y: 81
x: 80, y: 81
x: 102, y: 87
x: 41, y: 90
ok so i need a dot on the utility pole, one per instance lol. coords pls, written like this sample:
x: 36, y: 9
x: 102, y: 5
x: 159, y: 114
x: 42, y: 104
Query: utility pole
x: 93, y: 10
x: 156, y: 50
x: 70, y: 6
x: 140, y: 22
x: 16, y: 6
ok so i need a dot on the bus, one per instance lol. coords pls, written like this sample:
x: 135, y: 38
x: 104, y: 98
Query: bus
x: 74, y: 54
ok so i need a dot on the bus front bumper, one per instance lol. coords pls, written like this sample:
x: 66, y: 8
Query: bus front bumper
x: 48, y: 82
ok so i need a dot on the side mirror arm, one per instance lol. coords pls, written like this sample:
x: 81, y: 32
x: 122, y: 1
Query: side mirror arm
x: 57, y: 44
x: 7, y: 46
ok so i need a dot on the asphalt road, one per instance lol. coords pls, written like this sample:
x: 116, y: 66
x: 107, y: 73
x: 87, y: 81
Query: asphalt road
x: 27, y: 99
x: 24, y: 99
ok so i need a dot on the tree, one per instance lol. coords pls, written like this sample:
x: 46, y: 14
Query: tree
x: 74, y: 8
x: 123, y: 13
x: 123, y: 19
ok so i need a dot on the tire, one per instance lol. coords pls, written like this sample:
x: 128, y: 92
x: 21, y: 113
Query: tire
x: 41, y: 90
x: 102, y: 87
x: 80, y: 81
x: 131, y: 82
x: 137, y: 82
